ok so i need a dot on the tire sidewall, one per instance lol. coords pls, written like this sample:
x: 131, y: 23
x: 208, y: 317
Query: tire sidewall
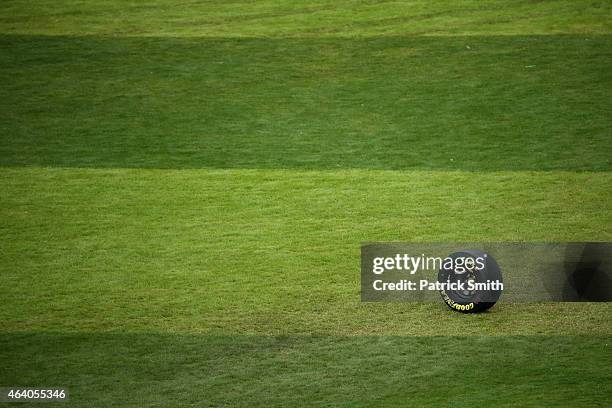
x: 481, y: 300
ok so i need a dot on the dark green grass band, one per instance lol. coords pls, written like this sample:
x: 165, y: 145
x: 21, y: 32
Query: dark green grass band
x: 152, y: 369
x: 476, y: 103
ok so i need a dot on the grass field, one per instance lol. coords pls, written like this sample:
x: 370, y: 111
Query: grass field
x: 186, y: 185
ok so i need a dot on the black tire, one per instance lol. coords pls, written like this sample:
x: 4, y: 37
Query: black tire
x: 486, y: 270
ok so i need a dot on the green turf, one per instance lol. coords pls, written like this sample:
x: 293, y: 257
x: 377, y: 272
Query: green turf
x: 185, y: 186
x: 235, y: 251
x: 361, y: 371
x: 312, y: 18
x: 384, y: 103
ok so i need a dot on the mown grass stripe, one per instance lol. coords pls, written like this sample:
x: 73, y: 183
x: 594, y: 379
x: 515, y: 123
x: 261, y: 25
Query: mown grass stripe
x: 402, y: 103
x: 264, y: 250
